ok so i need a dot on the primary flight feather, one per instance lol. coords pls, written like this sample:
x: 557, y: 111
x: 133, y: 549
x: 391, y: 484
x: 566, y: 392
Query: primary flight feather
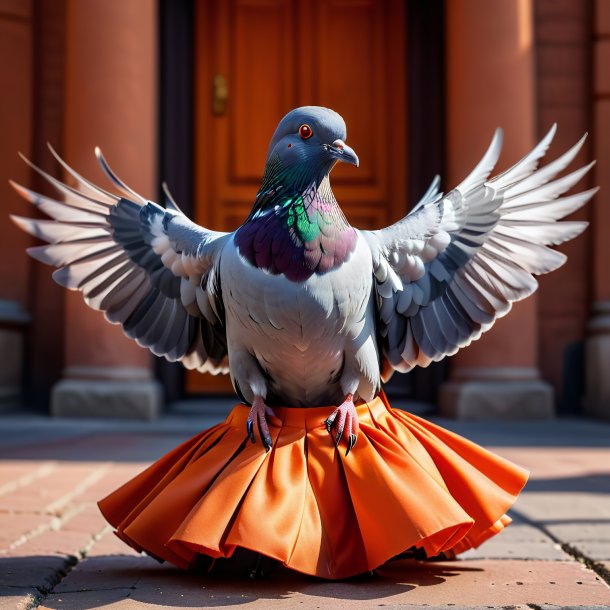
x: 298, y: 306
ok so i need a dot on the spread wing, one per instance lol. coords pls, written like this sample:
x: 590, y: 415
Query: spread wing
x: 149, y: 269
x: 456, y: 263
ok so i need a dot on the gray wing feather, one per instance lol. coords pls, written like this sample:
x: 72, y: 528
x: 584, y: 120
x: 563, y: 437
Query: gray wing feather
x: 170, y: 202
x: 450, y: 268
x: 432, y: 194
x: 118, y: 183
x: 147, y: 268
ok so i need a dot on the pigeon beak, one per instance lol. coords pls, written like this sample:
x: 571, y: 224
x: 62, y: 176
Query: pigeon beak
x: 341, y: 151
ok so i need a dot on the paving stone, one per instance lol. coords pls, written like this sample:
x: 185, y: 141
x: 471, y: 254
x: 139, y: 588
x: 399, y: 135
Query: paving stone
x: 140, y: 448
x: 555, y: 467
x: 121, y: 599
x: 52, y: 492
x: 525, y: 551
x: 111, y: 480
x: 14, y: 526
x: 14, y: 472
x: 579, y: 530
x: 555, y: 607
x: 518, y: 541
x: 597, y: 550
x: 109, y: 544
x: 54, y: 542
x: 87, y: 518
x: 107, y: 572
x: 116, y: 598
x: 466, y: 584
x: 518, y: 532
x: 17, y: 598
x: 41, y: 572
x: 562, y: 506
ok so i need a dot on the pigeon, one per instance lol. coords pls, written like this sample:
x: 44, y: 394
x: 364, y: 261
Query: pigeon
x: 298, y: 306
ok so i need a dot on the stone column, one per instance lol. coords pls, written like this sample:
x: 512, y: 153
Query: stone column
x: 111, y: 101
x: 490, y: 83
x: 597, y: 350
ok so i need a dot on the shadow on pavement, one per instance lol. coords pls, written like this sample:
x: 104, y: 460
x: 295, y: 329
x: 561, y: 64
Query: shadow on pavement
x: 127, y: 441
x: 37, y: 437
x: 110, y: 579
x: 97, y: 447
x: 592, y: 483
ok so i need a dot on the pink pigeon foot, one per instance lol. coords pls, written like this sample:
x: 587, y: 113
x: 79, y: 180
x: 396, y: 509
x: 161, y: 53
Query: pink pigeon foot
x: 343, y: 416
x: 258, y: 413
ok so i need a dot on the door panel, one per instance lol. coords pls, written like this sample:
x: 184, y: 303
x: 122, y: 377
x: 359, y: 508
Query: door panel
x: 262, y: 64
x: 275, y: 55
x: 349, y: 47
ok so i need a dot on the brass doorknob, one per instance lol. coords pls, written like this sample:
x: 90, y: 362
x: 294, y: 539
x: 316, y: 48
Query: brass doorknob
x: 221, y: 95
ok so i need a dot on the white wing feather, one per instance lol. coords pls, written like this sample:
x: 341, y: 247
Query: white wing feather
x: 450, y: 268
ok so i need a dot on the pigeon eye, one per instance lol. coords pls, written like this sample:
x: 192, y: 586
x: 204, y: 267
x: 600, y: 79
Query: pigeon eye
x: 305, y: 131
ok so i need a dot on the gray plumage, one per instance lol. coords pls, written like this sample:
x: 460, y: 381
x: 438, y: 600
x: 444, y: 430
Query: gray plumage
x: 146, y: 268
x: 449, y: 269
x: 390, y: 299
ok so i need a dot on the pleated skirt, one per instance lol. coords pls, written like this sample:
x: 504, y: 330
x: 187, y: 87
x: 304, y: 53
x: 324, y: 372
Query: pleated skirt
x: 406, y: 484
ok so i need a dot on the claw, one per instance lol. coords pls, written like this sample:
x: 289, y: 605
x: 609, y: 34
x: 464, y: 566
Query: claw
x: 265, y: 438
x: 257, y: 412
x: 250, y: 429
x: 329, y: 421
x: 350, y: 443
x: 344, y: 416
x: 338, y: 435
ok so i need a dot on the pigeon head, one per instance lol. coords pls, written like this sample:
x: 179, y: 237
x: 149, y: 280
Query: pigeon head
x: 296, y: 227
x: 309, y: 141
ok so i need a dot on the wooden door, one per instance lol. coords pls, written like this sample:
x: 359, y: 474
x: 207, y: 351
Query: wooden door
x: 258, y: 59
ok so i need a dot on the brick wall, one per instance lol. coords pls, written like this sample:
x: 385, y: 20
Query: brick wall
x: 15, y: 127
x: 601, y: 144
x: 563, y: 74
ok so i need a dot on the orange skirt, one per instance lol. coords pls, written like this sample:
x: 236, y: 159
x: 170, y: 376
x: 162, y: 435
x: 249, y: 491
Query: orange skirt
x: 407, y: 483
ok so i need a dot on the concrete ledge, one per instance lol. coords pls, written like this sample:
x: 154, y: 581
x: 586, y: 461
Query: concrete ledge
x: 105, y: 398
x: 524, y: 399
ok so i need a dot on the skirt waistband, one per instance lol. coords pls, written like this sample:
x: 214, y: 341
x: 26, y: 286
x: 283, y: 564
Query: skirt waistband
x: 306, y: 417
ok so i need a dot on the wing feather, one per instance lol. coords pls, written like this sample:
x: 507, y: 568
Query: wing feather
x: 130, y: 258
x: 461, y: 260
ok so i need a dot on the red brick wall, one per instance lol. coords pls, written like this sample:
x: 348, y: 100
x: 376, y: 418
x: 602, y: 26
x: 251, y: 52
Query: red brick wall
x: 601, y: 141
x: 563, y: 43
x: 15, y: 127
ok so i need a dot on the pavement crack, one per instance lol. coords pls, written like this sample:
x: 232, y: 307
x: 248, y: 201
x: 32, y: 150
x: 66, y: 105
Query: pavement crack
x: 33, y: 600
x: 595, y: 566
x: 58, y: 576
x: 71, y: 561
x: 80, y: 488
x: 599, y: 568
x: 52, y: 524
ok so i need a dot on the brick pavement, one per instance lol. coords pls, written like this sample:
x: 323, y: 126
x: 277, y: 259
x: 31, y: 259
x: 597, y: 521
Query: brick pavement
x: 56, y: 552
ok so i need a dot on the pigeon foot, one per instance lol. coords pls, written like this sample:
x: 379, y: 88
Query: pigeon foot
x: 263, y: 568
x: 344, y: 417
x: 258, y: 413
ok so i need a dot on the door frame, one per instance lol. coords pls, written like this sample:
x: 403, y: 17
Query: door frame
x: 425, y: 132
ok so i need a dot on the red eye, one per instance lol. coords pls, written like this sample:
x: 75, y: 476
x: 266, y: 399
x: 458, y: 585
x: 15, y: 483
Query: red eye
x: 305, y: 131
